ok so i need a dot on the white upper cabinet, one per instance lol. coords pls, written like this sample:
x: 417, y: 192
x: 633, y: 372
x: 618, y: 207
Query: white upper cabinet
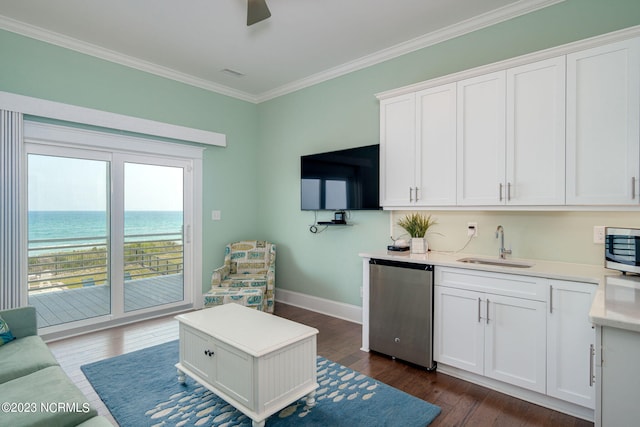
x: 603, y: 113
x: 511, y: 136
x: 436, y: 146
x: 397, y: 150
x: 562, y: 131
x: 417, y: 137
x: 536, y: 134
x: 481, y: 140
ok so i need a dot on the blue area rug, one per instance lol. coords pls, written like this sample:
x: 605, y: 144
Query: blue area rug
x: 141, y: 389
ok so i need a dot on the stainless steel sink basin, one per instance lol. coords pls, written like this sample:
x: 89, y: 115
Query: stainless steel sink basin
x: 496, y: 261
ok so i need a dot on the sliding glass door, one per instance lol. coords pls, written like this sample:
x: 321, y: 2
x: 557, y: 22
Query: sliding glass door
x: 153, y: 256
x: 68, y: 243
x: 108, y: 234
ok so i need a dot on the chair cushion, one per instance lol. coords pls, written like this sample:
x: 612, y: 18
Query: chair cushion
x: 245, y: 281
x: 249, y: 297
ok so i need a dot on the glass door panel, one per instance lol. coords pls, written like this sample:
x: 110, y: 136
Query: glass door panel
x: 153, y: 235
x: 68, y: 238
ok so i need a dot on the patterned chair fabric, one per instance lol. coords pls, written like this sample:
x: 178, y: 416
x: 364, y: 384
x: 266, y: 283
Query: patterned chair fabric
x: 249, y: 266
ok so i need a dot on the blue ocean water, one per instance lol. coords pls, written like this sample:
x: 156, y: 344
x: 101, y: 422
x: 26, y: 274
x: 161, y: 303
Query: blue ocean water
x: 46, y: 225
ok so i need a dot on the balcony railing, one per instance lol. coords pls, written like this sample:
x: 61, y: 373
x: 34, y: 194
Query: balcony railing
x: 56, y: 264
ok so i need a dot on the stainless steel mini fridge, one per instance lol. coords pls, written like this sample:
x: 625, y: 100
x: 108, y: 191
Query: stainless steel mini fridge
x: 401, y: 310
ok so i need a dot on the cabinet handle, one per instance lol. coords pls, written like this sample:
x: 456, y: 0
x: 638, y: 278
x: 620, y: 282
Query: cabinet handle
x: 592, y: 353
x: 410, y: 194
x: 416, y: 188
x: 487, y: 311
x: 479, y: 304
x: 500, y: 191
x: 209, y: 353
x: 508, y: 191
x: 551, y: 299
x: 633, y: 188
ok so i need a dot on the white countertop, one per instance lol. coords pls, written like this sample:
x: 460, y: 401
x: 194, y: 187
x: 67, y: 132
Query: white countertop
x: 616, y: 302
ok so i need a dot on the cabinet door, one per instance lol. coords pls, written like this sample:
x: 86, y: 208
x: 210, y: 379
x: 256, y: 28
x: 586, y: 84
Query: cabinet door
x: 197, y: 353
x: 619, y: 378
x: 397, y: 150
x: 515, y: 341
x: 234, y: 374
x: 459, y: 329
x: 436, y: 146
x: 535, y: 158
x: 603, y: 113
x: 570, y: 336
x: 481, y: 140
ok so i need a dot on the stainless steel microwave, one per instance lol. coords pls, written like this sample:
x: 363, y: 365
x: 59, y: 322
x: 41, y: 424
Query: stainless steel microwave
x: 622, y: 249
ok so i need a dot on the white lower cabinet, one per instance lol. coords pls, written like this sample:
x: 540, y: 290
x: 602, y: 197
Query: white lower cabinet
x: 482, y: 333
x: 228, y: 369
x: 619, y: 377
x: 571, y: 343
x: 524, y: 331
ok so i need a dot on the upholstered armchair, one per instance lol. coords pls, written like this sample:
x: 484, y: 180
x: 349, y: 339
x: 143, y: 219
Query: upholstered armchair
x: 247, y: 277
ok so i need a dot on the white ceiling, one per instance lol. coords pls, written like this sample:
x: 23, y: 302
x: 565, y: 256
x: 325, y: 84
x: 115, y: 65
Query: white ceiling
x: 304, y: 42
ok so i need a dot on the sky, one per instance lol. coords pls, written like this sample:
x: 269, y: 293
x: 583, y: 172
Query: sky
x: 67, y: 184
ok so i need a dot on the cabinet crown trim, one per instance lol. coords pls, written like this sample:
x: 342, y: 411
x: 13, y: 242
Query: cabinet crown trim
x: 620, y: 35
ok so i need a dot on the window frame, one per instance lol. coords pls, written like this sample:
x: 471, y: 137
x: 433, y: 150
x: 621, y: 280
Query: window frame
x: 59, y: 140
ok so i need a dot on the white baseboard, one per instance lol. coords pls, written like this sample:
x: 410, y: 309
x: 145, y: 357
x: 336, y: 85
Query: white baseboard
x: 352, y: 313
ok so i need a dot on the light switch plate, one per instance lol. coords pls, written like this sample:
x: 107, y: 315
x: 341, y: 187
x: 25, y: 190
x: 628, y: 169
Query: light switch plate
x: 216, y: 215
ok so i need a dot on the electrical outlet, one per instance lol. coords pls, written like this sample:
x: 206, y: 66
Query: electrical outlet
x: 472, y: 229
x: 598, y: 234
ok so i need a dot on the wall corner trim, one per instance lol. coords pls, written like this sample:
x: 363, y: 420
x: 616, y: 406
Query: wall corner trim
x: 89, y: 116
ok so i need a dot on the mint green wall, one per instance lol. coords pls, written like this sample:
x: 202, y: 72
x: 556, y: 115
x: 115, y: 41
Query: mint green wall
x: 255, y: 180
x: 41, y: 70
x: 343, y: 113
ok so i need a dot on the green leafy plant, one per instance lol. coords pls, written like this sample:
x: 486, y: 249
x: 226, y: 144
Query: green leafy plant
x: 416, y: 224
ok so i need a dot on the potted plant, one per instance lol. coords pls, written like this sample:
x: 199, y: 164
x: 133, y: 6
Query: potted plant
x: 417, y: 225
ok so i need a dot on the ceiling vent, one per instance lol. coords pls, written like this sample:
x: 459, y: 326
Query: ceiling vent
x: 231, y: 72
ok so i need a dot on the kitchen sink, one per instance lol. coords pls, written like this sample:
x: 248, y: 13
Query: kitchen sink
x: 497, y: 262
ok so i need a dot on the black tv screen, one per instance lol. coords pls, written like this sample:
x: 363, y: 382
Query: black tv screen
x: 341, y: 180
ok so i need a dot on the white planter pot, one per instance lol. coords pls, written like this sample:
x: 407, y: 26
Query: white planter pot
x: 419, y: 245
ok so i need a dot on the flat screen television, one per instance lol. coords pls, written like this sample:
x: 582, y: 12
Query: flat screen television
x: 341, y: 180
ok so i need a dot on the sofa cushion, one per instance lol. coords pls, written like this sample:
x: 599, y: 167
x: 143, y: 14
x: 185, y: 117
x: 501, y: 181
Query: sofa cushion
x: 5, y: 332
x: 24, y: 356
x: 57, y: 402
x: 96, y: 422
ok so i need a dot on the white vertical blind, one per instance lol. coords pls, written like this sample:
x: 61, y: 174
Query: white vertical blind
x: 11, y: 264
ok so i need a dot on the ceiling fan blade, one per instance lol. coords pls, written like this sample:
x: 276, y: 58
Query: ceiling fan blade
x: 257, y: 11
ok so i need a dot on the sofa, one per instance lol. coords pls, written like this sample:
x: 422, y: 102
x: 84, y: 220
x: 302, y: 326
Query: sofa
x: 34, y: 390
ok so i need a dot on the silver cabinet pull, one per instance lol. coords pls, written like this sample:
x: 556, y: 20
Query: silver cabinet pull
x: 508, y: 191
x: 487, y: 311
x: 479, y: 304
x: 592, y: 353
x: 416, y: 188
x: 410, y: 194
x: 633, y: 188
x: 500, y: 191
x: 551, y: 299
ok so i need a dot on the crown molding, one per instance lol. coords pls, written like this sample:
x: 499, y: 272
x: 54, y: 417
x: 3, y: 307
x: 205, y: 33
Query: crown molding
x: 476, y: 23
x: 86, y: 48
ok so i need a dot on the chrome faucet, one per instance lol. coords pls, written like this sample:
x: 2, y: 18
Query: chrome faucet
x: 502, y: 252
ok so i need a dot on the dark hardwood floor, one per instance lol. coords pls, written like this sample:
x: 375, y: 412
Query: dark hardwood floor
x: 462, y: 403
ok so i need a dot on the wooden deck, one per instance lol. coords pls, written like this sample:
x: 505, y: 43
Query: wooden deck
x: 69, y: 305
